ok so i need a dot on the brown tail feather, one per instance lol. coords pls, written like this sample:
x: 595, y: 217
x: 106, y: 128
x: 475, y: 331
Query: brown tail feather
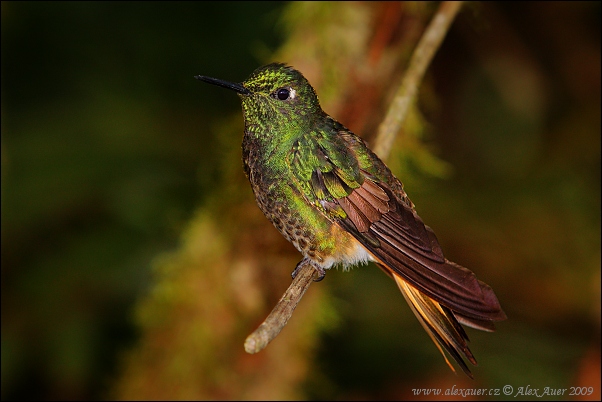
x: 440, y: 323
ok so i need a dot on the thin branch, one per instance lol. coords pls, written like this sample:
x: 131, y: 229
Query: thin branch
x: 306, y: 272
x: 421, y: 59
x: 273, y: 324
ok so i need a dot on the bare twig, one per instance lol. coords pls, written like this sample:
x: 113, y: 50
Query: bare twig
x: 280, y: 315
x: 421, y: 58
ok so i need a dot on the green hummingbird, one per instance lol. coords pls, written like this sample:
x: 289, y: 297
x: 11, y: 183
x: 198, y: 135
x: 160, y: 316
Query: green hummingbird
x: 340, y: 205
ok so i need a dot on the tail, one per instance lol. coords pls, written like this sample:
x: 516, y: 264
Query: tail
x: 442, y: 325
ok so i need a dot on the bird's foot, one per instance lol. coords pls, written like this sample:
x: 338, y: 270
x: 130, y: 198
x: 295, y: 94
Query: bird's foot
x: 305, y: 261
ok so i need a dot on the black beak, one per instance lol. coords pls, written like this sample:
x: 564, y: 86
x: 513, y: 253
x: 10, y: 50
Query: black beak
x: 230, y: 85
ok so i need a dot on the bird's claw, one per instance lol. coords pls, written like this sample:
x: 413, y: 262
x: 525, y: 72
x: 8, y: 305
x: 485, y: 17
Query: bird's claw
x: 321, y: 273
x: 302, y: 263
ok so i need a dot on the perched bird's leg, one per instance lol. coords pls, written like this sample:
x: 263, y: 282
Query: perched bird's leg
x: 305, y: 261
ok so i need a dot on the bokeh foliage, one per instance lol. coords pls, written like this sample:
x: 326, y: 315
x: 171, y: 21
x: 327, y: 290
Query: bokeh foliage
x: 135, y: 262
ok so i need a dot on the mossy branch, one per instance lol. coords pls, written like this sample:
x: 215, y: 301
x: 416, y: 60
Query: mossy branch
x: 391, y: 125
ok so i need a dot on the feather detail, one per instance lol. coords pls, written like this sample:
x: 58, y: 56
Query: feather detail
x: 410, y: 249
x: 360, y: 221
x: 441, y: 325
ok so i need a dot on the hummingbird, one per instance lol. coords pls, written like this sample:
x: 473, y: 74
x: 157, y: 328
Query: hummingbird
x: 340, y: 205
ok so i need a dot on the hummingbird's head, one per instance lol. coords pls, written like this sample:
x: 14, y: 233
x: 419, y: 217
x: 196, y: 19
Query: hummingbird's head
x: 283, y: 86
x: 274, y: 95
x: 279, y: 94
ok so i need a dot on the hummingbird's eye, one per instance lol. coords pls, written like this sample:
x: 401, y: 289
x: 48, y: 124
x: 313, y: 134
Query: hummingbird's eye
x: 283, y: 94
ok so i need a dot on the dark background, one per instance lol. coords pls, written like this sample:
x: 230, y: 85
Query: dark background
x: 109, y: 146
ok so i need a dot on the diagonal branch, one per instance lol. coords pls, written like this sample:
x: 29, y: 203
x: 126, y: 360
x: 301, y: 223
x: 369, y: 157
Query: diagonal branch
x: 391, y: 125
x: 421, y: 59
x: 306, y: 273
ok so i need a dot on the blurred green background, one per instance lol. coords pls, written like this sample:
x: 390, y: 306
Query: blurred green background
x: 134, y: 261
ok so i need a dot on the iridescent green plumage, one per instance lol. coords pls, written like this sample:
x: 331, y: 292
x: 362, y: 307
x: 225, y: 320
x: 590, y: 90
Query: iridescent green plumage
x: 338, y: 203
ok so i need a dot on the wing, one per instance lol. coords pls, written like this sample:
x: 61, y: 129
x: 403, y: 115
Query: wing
x: 398, y: 238
x: 377, y: 213
x: 358, y: 192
